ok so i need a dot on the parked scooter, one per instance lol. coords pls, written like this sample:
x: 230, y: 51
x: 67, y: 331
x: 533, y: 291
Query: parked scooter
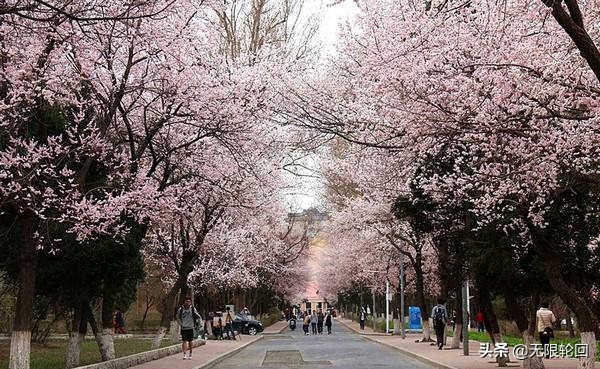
x: 292, y: 322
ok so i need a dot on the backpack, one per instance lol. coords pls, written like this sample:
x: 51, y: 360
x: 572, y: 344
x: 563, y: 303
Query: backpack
x: 439, y: 317
x: 195, y: 314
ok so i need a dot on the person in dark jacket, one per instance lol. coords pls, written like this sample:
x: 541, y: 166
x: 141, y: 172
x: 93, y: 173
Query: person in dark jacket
x: 362, y: 318
x: 313, y: 321
x: 328, y: 322
x: 119, y: 322
x: 440, y: 319
x: 320, y: 320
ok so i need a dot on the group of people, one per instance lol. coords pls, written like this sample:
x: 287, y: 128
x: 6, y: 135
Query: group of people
x: 316, y: 320
x: 191, y: 324
x: 545, y: 320
x: 222, y: 323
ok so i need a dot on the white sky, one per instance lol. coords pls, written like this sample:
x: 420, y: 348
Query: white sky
x: 306, y: 192
x: 331, y: 16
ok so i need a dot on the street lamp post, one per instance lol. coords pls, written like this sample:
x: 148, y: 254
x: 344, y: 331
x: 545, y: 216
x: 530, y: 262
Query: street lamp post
x: 387, y: 305
x: 374, y: 314
x: 402, y: 332
x: 387, y: 299
x: 468, y: 292
x: 465, y: 313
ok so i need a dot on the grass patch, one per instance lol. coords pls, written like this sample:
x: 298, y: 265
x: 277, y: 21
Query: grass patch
x: 52, y: 355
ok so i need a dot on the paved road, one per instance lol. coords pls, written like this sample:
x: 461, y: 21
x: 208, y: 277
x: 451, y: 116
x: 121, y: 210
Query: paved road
x: 343, y: 349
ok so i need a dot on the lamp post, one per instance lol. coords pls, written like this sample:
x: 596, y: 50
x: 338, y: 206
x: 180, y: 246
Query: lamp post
x: 465, y: 313
x: 387, y: 305
x: 374, y: 314
x: 387, y: 298
x: 402, y: 332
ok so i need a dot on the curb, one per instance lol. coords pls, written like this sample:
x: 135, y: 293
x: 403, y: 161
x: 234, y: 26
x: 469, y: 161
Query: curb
x: 140, y: 358
x: 277, y: 332
x: 423, y: 359
x: 226, y: 355
x: 363, y: 333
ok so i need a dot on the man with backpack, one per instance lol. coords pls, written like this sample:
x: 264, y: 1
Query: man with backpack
x: 188, y: 319
x: 440, y: 318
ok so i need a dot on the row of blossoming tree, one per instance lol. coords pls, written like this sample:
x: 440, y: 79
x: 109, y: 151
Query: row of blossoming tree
x: 135, y: 139
x: 469, y: 145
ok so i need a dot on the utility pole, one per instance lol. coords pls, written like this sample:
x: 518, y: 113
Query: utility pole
x: 468, y: 302
x: 387, y: 305
x: 374, y: 314
x: 402, y: 331
x: 465, y: 313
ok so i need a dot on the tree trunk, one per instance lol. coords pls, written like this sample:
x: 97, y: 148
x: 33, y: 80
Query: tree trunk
x: 490, y: 319
x: 515, y: 311
x: 143, y: 323
x: 459, y: 320
x: 572, y: 23
x: 166, y: 317
x: 167, y: 314
x: 502, y: 361
x: 589, y: 339
x: 76, y: 336
x: 174, y: 331
x: 426, y: 331
x: 443, y: 257
x: 168, y: 308
x: 20, y: 342
x: 162, y: 331
x: 420, y: 294
x: 456, y: 337
x: 107, y: 343
x: 95, y: 331
x: 531, y: 362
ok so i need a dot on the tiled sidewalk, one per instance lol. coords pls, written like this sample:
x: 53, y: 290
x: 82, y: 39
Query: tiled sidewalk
x: 449, y: 358
x: 212, y: 352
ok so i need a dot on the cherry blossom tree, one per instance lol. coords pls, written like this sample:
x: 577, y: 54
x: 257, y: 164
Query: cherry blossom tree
x: 99, y: 118
x: 507, y: 115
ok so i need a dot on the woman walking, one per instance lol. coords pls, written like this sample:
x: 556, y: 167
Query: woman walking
x: 306, y: 322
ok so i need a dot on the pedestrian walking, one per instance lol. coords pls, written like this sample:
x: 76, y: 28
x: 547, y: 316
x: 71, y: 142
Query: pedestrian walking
x: 479, y: 321
x: 545, y: 320
x: 320, y: 320
x: 218, y: 326
x: 328, y: 322
x: 440, y: 318
x: 188, y: 319
x: 453, y: 320
x: 306, y: 322
x: 313, y: 321
x: 229, y: 318
x: 119, y: 322
x: 362, y: 318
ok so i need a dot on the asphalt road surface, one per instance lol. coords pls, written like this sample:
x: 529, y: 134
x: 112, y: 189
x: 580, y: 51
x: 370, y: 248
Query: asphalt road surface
x: 342, y: 349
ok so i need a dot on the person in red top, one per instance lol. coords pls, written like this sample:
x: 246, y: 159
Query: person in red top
x: 479, y: 321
